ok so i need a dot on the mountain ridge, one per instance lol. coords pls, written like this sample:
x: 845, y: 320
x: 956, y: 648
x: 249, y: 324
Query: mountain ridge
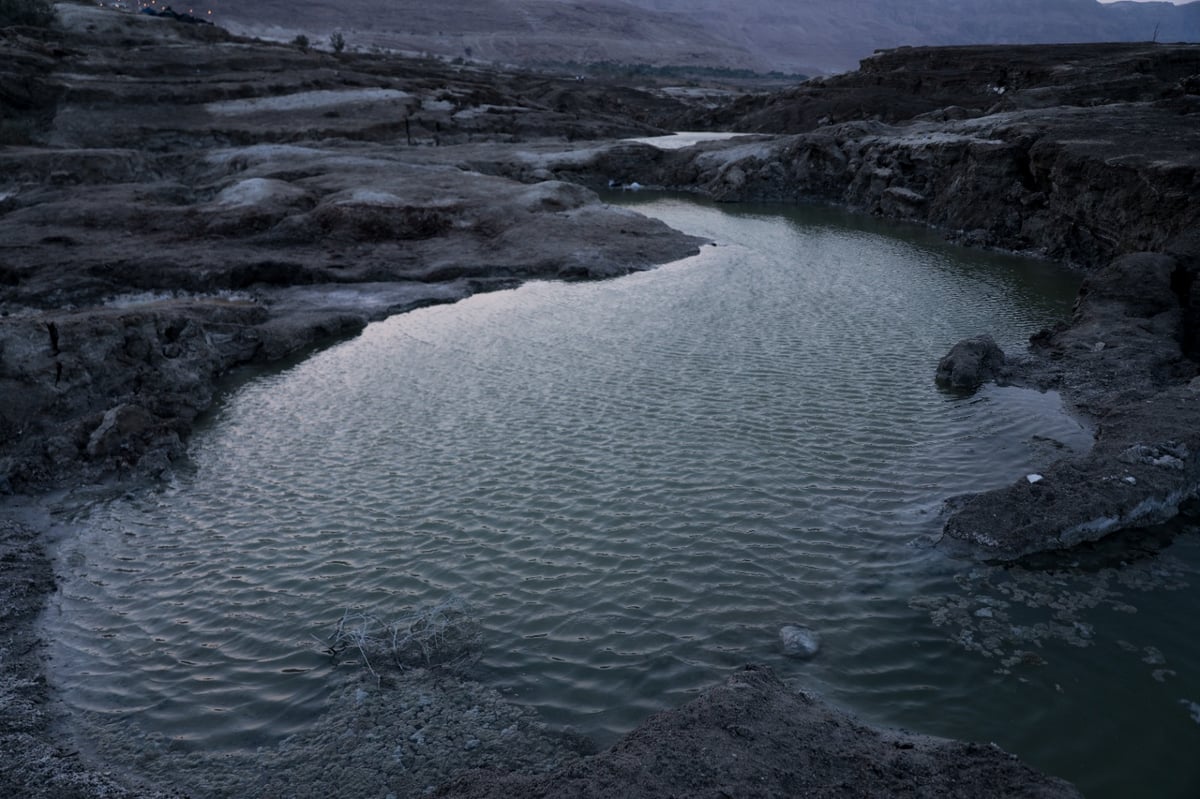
x: 806, y: 36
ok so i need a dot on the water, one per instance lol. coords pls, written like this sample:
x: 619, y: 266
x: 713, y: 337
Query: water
x: 636, y: 483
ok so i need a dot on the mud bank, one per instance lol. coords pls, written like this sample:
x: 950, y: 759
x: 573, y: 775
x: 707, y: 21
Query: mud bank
x: 752, y: 736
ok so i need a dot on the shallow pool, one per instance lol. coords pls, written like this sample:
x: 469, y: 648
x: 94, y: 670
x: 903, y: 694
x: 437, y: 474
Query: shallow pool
x: 635, y: 483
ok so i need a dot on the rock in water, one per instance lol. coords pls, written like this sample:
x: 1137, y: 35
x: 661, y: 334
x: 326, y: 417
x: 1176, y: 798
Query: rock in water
x: 799, y: 641
x: 971, y: 362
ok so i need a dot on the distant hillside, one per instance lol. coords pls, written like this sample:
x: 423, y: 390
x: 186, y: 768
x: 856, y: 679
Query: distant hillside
x: 508, y: 31
x: 834, y: 36
x: 787, y: 35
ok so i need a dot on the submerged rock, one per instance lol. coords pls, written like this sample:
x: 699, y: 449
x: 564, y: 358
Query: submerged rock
x: 799, y: 641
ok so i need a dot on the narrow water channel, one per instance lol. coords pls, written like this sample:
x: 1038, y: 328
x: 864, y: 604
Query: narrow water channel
x: 635, y: 483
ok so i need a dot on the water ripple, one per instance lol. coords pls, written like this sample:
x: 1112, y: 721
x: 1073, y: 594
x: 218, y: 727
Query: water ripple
x: 636, y: 482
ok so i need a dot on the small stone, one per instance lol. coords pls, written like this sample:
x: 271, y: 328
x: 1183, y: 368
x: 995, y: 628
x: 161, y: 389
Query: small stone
x: 799, y: 641
x: 1034, y: 478
x: 984, y: 613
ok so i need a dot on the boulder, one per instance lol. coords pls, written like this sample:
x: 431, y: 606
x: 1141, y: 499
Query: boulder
x: 971, y: 362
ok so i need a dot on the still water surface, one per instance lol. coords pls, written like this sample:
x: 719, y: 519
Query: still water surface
x: 635, y: 483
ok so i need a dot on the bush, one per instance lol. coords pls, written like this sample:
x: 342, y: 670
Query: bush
x: 37, y: 13
x: 300, y: 41
x: 442, y: 635
x: 337, y: 41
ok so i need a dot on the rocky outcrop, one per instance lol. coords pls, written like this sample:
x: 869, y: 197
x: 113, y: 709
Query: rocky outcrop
x: 1073, y: 184
x: 1077, y: 185
x: 943, y: 84
x: 753, y: 736
x: 1126, y: 360
x: 1079, y: 153
x: 970, y: 363
x: 133, y: 279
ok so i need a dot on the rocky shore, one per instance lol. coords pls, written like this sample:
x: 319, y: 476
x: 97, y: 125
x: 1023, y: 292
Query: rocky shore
x: 177, y: 203
x: 1084, y: 154
x: 164, y: 230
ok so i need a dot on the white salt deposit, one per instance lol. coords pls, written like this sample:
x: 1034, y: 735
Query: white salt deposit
x: 256, y: 191
x: 676, y: 141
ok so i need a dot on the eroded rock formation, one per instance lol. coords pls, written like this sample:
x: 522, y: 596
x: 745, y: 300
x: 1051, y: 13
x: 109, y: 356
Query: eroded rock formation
x: 1127, y: 361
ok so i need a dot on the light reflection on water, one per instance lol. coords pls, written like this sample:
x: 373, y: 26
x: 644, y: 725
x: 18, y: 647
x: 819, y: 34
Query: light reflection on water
x: 635, y: 483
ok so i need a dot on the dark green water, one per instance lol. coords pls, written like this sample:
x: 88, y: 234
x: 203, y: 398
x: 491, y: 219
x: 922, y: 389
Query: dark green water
x: 636, y: 483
